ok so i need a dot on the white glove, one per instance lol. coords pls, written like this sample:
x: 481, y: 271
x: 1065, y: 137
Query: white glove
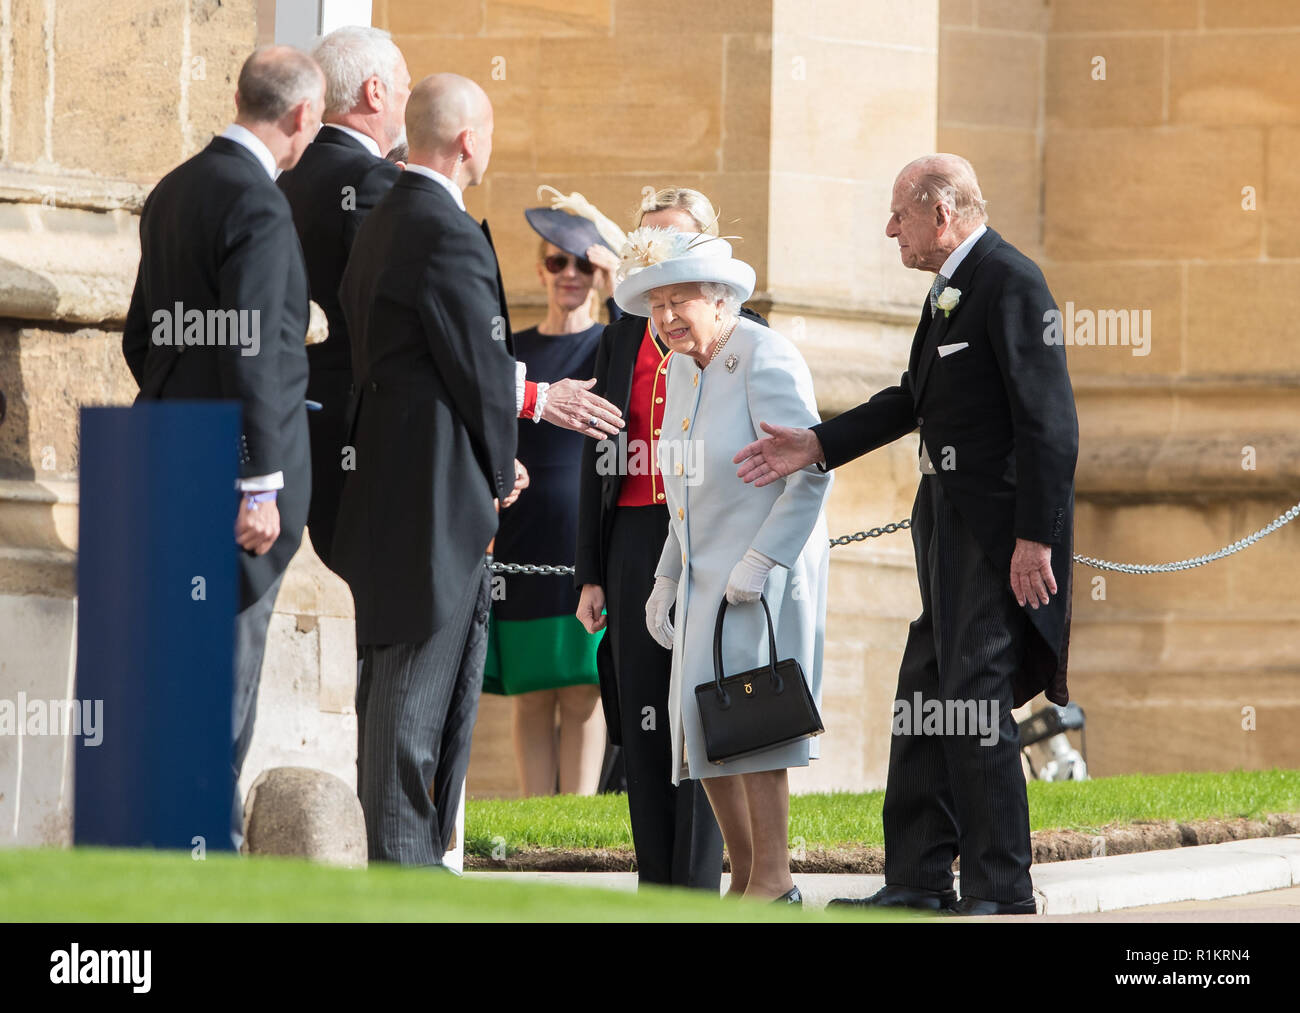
x: 748, y: 577
x: 656, y: 611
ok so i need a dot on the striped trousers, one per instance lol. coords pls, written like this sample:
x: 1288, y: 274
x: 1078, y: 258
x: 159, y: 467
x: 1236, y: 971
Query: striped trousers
x: 951, y: 794
x: 251, y: 626
x: 416, y: 706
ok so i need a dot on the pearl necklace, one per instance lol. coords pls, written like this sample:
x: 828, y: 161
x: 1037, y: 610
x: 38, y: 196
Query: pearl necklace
x: 722, y: 341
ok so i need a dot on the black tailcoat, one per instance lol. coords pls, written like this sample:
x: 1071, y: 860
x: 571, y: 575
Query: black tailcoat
x: 216, y: 234
x: 433, y: 419
x: 998, y: 419
x: 333, y: 187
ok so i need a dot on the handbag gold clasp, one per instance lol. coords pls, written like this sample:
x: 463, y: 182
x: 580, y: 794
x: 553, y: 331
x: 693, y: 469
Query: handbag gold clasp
x: 749, y: 689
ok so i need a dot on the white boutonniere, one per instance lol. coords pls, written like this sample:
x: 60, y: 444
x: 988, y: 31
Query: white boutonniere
x: 948, y: 300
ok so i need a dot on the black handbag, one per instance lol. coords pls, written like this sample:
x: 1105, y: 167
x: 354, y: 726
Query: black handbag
x: 755, y: 710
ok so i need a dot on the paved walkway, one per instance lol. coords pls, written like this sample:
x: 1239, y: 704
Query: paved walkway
x: 1157, y: 882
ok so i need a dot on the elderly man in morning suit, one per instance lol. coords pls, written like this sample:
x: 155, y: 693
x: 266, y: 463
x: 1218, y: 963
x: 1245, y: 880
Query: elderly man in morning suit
x: 339, y: 179
x: 434, y: 426
x: 216, y: 235
x: 992, y: 530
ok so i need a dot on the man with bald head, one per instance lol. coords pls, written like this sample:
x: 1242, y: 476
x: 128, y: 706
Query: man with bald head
x: 992, y: 528
x: 217, y: 237
x: 433, y: 422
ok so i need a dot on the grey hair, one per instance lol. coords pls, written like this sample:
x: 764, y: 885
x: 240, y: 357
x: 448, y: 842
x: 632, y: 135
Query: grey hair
x: 350, y: 56
x: 694, y: 203
x: 716, y: 291
x: 275, y: 79
x: 949, y: 180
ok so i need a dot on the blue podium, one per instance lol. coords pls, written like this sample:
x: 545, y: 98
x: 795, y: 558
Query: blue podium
x: 156, y: 583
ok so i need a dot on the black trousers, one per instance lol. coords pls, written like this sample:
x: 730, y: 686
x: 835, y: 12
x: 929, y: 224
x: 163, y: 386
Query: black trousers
x: 416, y: 705
x: 958, y: 794
x: 251, y: 626
x: 674, y: 831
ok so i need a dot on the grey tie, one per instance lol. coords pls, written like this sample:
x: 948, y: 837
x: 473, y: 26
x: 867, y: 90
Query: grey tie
x: 940, y: 283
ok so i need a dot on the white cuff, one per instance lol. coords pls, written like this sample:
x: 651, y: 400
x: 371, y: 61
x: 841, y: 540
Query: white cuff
x: 542, y: 388
x: 521, y: 372
x: 261, y: 483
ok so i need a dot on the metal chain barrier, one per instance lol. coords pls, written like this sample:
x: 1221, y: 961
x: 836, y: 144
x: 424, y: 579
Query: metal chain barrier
x: 1191, y: 564
x: 862, y: 536
x: 542, y: 568
x: 1099, y: 564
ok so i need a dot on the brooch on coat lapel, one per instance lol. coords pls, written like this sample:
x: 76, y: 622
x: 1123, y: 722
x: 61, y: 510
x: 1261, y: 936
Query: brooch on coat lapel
x: 731, y: 362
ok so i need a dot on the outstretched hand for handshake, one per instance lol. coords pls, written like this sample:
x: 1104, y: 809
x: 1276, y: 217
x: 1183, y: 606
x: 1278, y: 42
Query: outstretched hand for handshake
x: 781, y: 453
x: 571, y: 405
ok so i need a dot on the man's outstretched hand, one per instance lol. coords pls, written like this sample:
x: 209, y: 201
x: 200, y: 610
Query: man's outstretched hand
x: 570, y: 404
x: 781, y: 453
x: 1031, y: 573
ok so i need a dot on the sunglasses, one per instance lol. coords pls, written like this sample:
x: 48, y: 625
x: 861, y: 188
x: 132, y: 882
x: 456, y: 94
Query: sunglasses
x: 557, y: 262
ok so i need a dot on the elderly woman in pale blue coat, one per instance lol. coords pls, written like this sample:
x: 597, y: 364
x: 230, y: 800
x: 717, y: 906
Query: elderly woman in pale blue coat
x: 725, y: 538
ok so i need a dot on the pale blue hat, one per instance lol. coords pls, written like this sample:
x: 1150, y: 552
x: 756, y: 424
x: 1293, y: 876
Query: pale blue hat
x: 653, y: 258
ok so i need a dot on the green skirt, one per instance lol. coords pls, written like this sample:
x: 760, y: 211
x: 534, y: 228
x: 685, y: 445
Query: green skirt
x: 525, y: 655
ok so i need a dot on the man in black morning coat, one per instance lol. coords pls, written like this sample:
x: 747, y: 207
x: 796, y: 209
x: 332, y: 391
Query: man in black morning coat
x: 434, y: 426
x: 339, y: 179
x: 992, y: 527
x: 216, y: 235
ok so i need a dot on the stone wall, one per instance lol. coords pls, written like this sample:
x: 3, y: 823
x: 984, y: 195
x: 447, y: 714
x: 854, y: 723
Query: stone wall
x: 1146, y: 154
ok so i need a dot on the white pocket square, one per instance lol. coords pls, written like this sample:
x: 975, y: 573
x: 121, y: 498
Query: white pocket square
x: 949, y: 349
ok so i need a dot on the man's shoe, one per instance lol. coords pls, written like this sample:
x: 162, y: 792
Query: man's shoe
x: 791, y: 896
x: 902, y: 896
x: 973, y: 906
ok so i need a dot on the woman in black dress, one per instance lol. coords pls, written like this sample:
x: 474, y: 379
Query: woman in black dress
x: 538, y: 653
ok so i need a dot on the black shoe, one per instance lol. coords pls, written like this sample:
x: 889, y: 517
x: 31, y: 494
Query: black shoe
x: 973, y: 906
x: 902, y: 896
x: 791, y: 896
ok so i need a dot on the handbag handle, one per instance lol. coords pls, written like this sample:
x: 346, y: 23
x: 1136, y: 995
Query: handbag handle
x: 778, y: 683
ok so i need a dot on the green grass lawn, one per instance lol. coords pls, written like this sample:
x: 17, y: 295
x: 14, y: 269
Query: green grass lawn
x: 844, y: 819
x: 87, y: 884
x: 100, y: 885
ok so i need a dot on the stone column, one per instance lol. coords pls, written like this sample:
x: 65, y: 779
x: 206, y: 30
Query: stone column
x: 854, y: 98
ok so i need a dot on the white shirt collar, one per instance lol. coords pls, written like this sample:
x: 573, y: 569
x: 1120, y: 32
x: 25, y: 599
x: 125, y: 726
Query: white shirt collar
x: 245, y: 137
x: 958, y: 255
x: 438, y: 177
x: 368, y: 142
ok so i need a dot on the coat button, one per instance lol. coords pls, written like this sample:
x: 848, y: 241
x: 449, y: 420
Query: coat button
x: 681, y: 514
x: 658, y: 431
x: 695, y: 380
x: 660, y: 496
x: 677, y: 470
x: 683, y: 557
x: 659, y: 400
x: 920, y: 421
x: 686, y: 424
x: 664, y: 371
